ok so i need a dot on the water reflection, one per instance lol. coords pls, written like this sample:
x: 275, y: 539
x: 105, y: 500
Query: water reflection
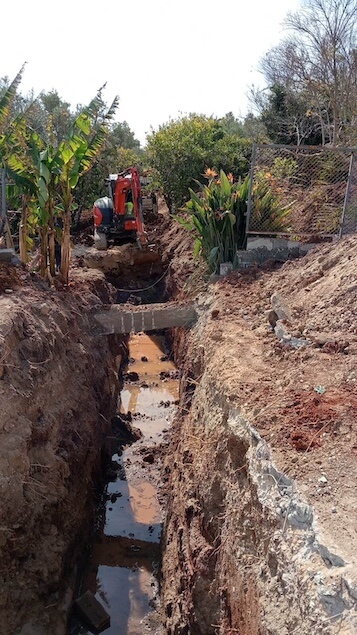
x: 125, y: 556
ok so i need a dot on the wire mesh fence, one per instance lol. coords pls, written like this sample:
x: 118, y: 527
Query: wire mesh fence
x: 302, y: 192
x: 349, y: 221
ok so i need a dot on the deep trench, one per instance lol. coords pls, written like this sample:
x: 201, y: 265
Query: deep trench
x: 121, y: 563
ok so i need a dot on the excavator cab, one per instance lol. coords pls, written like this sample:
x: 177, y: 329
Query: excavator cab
x: 119, y: 215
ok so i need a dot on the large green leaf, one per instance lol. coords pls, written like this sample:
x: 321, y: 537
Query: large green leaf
x: 43, y: 190
x: 226, y: 187
x: 83, y: 123
x: 45, y: 174
x: 74, y: 178
x: 195, y: 198
x: 197, y: 248
x: 213, y: 255
x: 7, y: 99
x: 65, y: 152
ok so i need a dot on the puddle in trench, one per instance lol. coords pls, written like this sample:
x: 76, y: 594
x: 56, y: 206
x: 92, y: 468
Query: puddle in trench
x: 125, y: 555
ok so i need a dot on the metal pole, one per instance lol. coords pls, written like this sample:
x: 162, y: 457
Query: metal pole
x: 3, y: 201
x: 249, y: 202
x: 347, y: 195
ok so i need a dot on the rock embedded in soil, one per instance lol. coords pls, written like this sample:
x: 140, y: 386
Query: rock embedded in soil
x: 169, y: 374
x: 131, y: 376
x: 124, y: 431
x: 272, y: 318
x: 149, y: 458
x: 281, y: 307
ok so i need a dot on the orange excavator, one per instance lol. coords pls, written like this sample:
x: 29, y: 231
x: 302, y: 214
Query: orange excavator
x: 119, y: 216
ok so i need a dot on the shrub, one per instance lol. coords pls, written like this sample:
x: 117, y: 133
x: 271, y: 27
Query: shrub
x: 181, y: 150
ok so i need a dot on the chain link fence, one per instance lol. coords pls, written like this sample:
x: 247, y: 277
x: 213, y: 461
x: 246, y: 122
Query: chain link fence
x: 302, y: 192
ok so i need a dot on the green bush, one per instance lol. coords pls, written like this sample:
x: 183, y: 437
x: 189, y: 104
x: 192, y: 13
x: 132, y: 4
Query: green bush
x: 182, y: 150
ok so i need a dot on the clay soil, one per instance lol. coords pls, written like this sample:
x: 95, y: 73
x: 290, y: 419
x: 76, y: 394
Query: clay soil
x: 57, y: 392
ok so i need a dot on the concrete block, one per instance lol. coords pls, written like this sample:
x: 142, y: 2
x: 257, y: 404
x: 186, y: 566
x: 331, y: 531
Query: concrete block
x: 263, y: 248
x: 123, y: 318
x: 259, y: 243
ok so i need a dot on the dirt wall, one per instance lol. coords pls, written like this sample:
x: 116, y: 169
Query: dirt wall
x: 58, y: 389
x: 243, y: 551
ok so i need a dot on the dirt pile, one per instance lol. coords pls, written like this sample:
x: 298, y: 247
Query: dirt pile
x: 260, y: 535
x: 57, y: 393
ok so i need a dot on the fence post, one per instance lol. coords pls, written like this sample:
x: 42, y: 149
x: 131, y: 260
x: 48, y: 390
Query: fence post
x: 249, y: 202
x: 3, y: 201
x: 347, y: 194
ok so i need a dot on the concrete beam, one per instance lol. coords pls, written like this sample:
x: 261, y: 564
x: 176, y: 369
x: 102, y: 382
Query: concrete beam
x: 121, y: 318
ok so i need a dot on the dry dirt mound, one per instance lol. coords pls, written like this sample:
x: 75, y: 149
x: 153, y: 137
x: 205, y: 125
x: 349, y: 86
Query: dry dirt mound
x: 303, y: 401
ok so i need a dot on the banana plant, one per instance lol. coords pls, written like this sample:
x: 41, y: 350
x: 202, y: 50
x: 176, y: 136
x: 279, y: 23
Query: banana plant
x: 23, y: 162
x: 48, y: 175
x: 74, y: 156
x: 6, y: 101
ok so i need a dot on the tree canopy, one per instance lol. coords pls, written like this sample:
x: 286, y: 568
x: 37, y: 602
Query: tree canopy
x: 182, y: 149
x: 312, y: 76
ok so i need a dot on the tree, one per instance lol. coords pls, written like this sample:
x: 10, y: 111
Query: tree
x: 49, y: 173
x: 57, y: 117
x: 8, y: 95
x: 121, y: 136
x: 289, y: 117
x: 317, y: 64
x: 232, y: 125
x: 183, y: 149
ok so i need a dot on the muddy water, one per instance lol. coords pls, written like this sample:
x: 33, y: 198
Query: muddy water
x: 125, y: 555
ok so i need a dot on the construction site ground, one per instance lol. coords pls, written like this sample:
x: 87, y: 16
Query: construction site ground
x: 302, y: 401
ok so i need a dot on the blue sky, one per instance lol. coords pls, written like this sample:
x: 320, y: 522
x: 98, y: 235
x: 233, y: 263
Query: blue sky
x: 161, y: 58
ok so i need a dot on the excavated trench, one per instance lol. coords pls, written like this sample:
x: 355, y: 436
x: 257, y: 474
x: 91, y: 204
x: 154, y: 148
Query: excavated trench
x: 238, y: 552
x: 125, y: 556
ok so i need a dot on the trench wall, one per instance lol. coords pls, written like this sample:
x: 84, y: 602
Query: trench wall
x: 242, y: 553
x: 58, y: 389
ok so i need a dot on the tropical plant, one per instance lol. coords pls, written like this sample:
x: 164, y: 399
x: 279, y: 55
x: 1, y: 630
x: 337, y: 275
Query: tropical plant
x: 6, y: 100
x: 74, y: 156
x: 49, y: 173
x: 23, y: 160
x: 216, y: 218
